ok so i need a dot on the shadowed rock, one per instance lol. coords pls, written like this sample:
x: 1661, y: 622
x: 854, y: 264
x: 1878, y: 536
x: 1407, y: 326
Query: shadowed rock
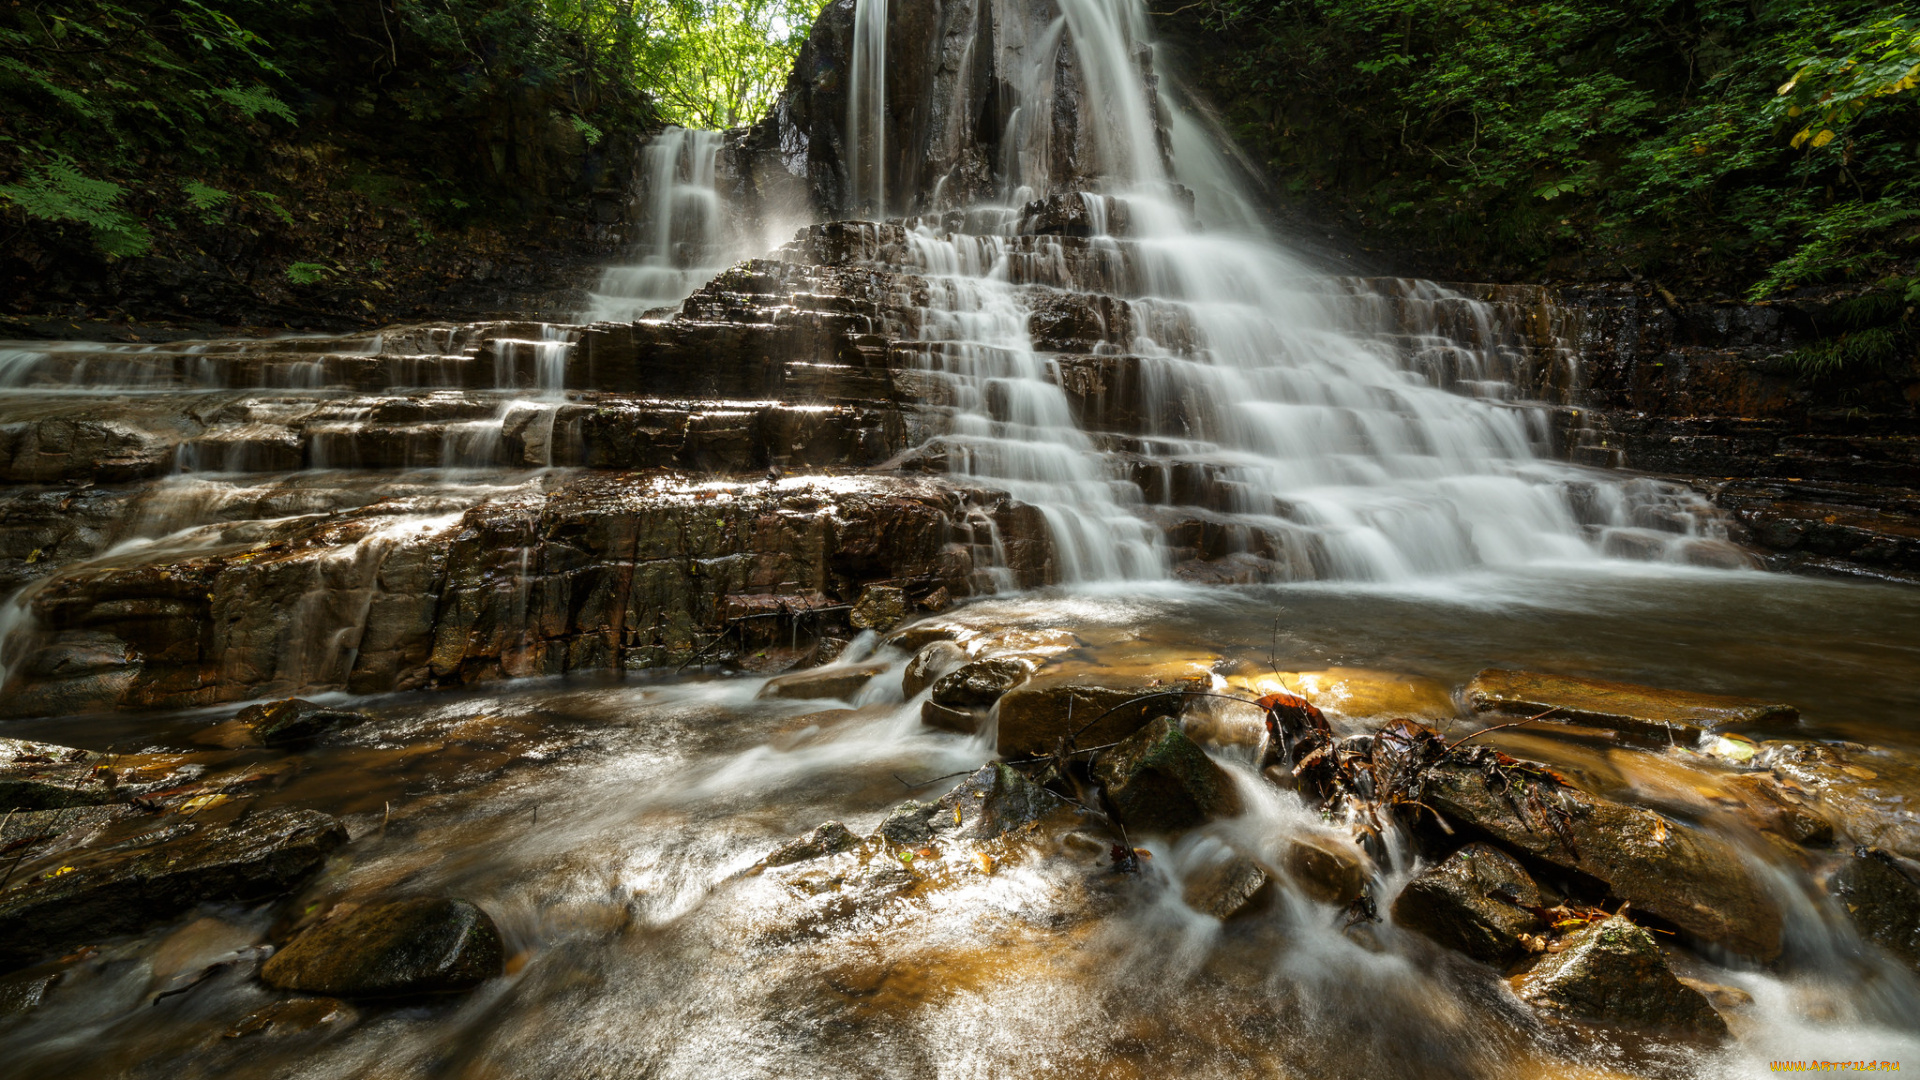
x: 1160, y: 781
x: 396, y: 949
x: 125, y: 887
x: 1882, y: 901
x: 42, y: 776
x: 979, y: 684
x: 1614, y: 973
x: 1473, y: 903
x: 294, y: 721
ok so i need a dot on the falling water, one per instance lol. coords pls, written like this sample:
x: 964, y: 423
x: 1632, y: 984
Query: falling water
x: 867, y: 111
x: 682, y: 241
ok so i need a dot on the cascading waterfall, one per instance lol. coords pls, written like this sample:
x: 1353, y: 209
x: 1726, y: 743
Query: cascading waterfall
x: 867, y: 111
x: 682, y: 241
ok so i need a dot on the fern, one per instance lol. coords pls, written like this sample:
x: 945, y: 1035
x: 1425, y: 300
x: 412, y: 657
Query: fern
x: 205, y: 199
x: 254, y: 100
x: 306, y: 273
x: 56, y: 190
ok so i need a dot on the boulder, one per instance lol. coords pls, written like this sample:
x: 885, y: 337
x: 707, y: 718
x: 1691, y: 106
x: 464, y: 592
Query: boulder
x: 126, y: 886
x: 294, y: 721
x: 1160, y: 781
x: 880, y: 607
x: 1644, y: 711
x: 400, y: 948
x: 946, y: 718
x: 1474, y: 902
x: 934, y: 660
x: 828, y: 839
x: 1097, y: 705
x: 1882, y: 901
x: 980, y: 683
x: 841, y: 683
x: 1613, y: 972
x: 1691, y: 879
x: 1865, y: 794
x: 991, y: 802
x: 1226, y: 887
x: 1775, y: 808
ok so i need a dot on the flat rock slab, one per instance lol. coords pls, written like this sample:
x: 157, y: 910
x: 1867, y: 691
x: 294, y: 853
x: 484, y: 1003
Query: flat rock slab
x: 1614, y: 973
x: 43, y: 776
x: 125, y: 887
x: 395, y: 949
x: 838, y: 683
x: 1691, y: 879
x: 1643, y: 711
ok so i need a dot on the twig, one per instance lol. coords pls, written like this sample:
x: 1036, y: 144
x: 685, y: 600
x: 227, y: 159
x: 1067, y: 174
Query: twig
x: 1501, y: 727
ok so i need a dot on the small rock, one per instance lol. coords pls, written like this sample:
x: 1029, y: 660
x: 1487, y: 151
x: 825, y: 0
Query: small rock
x: 132, y: 884
x: 23, y: 991
x: 293, y: 1016
x: 394, y: 949
x: 977, y: 685
x: 934, y: 660
x: 1777, y: 810
x: 1645, y: 711
x: 42, y: 776
x: 1472, y: 903
x: 1722, y: 998
x: 995, y: 800
x: 960, y: 721
x: 880, y: 607
x: 1226, y: 887
x: 1160, y: 781
x: 840, y: 683
x: 828, y: 839
x: 1613, y: 972
x: 911, y: 639
x: 1882, y: 901
x: 938, y: 600
x: 1325, y: 870
x: 910, y: 824
x: 293, y: 721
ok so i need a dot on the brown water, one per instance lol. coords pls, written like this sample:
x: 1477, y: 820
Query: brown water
x: 606, y: 827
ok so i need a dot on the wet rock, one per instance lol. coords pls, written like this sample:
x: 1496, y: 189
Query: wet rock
x: 1691, y: 879
x: 1325, y: 870
x: 1098, y: 706
x: 841, y: 683
x: 947, y: 718
x: 1353, y: 693
x: 1776, y: 809
x: 1474, y: 902
x: 934, y: 660
x: 880, y: 607
x: 38, y: 834
x: 1644, y: 711
x: 993, y: 801
x: 43, y: 776
x: 127, y: 886
x: 1160, y: 781
x: 1882, y: 901
x: 1613, y: 972
x: 23, y: 991
x: 919, y: 635
x: 828, y: 839
x: 294, y: 1016
x: 1867, y: 795
x: 395, y: 949
x: 910, y: 824
x: 294, y: 721
x: 1226, y: 887
x: 980, y: 683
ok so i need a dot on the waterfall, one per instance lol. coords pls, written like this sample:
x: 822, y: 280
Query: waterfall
x: 867, y: 111
x: 682, y: 238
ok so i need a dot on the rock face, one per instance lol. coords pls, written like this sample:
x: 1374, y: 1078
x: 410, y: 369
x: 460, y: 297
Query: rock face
x: 1474, y: 902
x: 125, y: 887
x: 1882, y: 901
x: 1693, y: 880
x: 1640, y: 710
x: 1160, y: 781
x: 1613, y: 972
x: 396, y: 949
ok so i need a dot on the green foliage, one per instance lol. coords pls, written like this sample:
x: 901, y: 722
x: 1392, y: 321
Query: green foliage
x: 719, y: 63
x: 1771, y: 142
x: 56, y: 190
x: 306, y: 273
x: 1866, y: 335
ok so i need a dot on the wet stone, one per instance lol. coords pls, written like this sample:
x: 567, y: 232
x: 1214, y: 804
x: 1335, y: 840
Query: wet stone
x: 294, y: 1016
x: 396, y: 949
x: 1475, y: 903
x: 126, y: 887
x: 1160, y: 781
x: 41, y: 776
x: 1882, y: 902
x: 935, y: 660
x: 294, y: 721
x: 1646, y: 712
x: 995, y: 800
x: 1326, y: 871
x: 880, y: 607
x: 1696, y: 881
x: 979, y: 684
x: 1226, y: 887
x: 830, y: 838
x: 947, y: 718
x: 1613, y: 972
x: 839, y: 683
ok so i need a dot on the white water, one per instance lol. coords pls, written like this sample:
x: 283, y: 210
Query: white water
x: 867, y: 111
x: 682, y: 239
